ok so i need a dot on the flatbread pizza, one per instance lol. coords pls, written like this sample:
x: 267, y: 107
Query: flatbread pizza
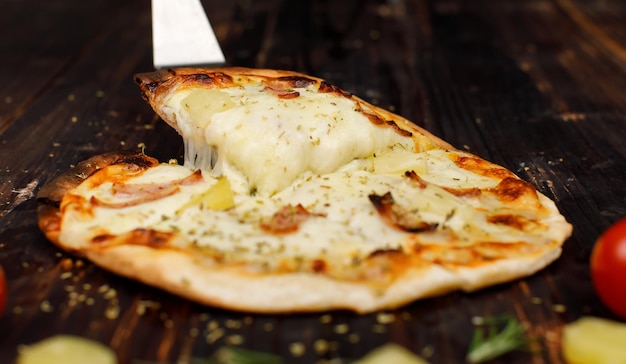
x: 297, y: 196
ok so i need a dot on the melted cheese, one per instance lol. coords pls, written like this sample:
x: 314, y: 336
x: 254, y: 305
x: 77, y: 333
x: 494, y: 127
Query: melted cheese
x: 272, y: 140
x: 344, y: 223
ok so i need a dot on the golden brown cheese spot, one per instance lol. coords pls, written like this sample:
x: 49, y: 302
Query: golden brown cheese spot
x: 377, y: 120
x: 382, y: 267
x: 381, y: 263
x: 472, y: 256
x: 510, y: 189
x: 146, y: 237
x: 515, y: 221
x: 517, y: 192
x: 150, y: 237
x: 115, y: 173
x: 78, y: 204
x: 290, y: 264
x: 481, y: 166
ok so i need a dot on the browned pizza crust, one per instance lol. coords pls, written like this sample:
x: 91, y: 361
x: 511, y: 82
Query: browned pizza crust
x: 50, y: 195
x: 383, y: 279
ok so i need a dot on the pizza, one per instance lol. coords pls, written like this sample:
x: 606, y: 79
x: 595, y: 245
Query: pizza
x: 294, y: 195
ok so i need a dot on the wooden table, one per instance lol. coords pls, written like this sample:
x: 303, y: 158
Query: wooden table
x: 536, y: 86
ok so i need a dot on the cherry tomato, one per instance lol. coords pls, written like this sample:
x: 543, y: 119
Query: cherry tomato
x: 608, y: 267
x: 3, y: 291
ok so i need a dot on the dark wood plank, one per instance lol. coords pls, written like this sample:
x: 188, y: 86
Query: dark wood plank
x: 535, y: 86
x: 40, y: 43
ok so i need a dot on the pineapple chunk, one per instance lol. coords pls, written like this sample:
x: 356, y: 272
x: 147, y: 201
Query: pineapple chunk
x: 66, y: 349
x: 592, y: 340
x: 218, y: 197
x: 397, y: 162
x: 391, y: 353
x: 202, y: 104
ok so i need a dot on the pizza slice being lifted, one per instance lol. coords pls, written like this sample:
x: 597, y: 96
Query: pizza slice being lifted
x: 294, y: 196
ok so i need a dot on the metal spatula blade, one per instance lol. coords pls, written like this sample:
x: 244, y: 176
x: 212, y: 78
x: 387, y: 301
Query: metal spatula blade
x: 182, y: 35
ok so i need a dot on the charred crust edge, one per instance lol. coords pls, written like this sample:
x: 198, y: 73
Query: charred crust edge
x: 52, y: 192
x: 296, y: 81
x: 330, y: 88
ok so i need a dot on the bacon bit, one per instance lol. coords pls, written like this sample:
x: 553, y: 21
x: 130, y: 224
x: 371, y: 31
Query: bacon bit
x: 286, y: 220
x: 416, y: 178
x: 281, y: 92
x: 133, y: 189
x: 318, y: 266
x: 146, y: 192
x: 464, y: 192
x: 397, y: 216
x: 147, y: 196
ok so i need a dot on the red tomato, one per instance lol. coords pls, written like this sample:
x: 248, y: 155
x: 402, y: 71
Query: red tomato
x: 3, y: 291
x: 608, y: 267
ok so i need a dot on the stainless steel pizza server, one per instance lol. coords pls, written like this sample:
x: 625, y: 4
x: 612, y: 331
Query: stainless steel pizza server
x: 182, y: 35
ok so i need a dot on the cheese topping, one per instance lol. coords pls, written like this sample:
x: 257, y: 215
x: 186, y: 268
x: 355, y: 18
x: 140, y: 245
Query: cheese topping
x: 273, y: 140
x: 342, y: 222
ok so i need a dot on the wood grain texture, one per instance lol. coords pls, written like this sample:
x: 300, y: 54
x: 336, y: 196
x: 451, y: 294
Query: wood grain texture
x: 536, y: 86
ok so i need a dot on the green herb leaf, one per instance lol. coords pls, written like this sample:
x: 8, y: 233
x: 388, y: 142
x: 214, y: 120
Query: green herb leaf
x: 489, y: 343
